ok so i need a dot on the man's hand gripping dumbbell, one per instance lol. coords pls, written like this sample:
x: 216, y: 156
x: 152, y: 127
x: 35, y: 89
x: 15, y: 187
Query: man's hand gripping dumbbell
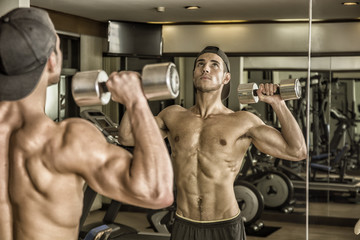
x: 288, y: 89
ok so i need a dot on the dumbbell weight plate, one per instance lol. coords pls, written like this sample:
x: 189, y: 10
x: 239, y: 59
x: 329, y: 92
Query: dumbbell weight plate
x: 174, y: 81
x: 250, y: 200
x: 290, y: 89
x: 246, y: 93
x: 160, y: 81
x: 86, y: 89
x: 276, y: 188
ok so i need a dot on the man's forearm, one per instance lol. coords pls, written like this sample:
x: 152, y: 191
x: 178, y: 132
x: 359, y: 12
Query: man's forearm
x: 126, y: 137
x: 151, y: 164
x: 290, y: 129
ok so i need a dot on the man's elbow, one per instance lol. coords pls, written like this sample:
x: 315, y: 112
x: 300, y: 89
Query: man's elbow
x: 125, y: 141
x: 161, y: 199
x: 301, y: 154
x: 165, y: 201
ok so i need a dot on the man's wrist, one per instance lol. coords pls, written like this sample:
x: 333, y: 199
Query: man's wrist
x: 136, y: 103
x: 278, y: 105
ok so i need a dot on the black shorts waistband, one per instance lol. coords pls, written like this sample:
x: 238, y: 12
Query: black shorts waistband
x: 216, y: 223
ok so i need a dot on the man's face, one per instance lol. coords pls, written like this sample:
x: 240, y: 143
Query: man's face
x: 209, y: 73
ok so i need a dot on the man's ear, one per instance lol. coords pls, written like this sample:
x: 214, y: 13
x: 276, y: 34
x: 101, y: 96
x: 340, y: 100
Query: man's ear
x: 52, y: 62
x: 227, y: 78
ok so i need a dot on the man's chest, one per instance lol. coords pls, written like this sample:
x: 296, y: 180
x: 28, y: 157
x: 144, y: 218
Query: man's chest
x: 211, y: 133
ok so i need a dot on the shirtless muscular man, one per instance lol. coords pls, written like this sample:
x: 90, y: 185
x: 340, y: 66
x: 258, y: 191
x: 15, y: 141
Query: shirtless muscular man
x: 44, y: 164
x: 208, y: 143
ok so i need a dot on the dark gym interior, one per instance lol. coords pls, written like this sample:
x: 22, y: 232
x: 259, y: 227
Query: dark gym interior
x: 314, y: 199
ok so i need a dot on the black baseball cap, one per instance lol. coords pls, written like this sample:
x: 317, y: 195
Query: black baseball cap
x: 27, y: 38
x: 212, y: 49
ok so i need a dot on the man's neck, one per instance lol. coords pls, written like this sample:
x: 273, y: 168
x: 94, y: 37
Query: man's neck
x: 208, y: 104
x: 34, y: 103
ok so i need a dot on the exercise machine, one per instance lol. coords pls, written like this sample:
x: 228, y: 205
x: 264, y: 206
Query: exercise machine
x: 333, y: 164
x: 275, y: 187
x: 251, y: 204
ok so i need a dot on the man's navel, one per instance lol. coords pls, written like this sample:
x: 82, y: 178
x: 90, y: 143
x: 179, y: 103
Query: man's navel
x: 223, y: 142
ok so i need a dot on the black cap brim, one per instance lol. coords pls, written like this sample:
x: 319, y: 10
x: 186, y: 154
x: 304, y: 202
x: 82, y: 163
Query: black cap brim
x: 16, y: 87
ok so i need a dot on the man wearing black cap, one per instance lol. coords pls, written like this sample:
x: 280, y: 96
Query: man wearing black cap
x: 43, y: 164
x: 208, y: 142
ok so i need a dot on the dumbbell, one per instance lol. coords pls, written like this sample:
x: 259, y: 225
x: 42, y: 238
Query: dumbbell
x: 160, y: 81
x: 289, y: 89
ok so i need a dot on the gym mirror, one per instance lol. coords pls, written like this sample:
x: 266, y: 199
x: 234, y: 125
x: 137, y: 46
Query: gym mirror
x: 254, y: 61
x: 333, y: 128
x: 334, y: 109
x: 334, y: 165
x: 334, y: 117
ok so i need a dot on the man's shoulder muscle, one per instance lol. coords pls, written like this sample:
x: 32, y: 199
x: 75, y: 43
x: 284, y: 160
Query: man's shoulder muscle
x: 172, y: 109
x: 170, y: 113
x: 248, y: 116
x: 75, y: 140
x: 78, y: 129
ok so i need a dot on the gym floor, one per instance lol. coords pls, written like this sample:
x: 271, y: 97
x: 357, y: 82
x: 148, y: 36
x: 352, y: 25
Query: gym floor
x: 291, y: 226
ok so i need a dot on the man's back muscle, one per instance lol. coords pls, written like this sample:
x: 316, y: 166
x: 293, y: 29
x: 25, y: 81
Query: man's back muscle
x: 7, y: 124
x: 38, y: 192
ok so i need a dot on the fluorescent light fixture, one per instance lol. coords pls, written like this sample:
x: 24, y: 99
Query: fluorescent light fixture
x: 292, y: 20
x: 225, y: 21
x: 192, y: 7
x: 350, y: 3
x: 161, y: 22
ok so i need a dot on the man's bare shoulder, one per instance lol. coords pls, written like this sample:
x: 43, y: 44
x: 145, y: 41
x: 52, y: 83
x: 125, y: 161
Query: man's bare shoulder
x: 77, y: 139
x: 248, y: 116
x: 75, y: 122
x: 243, y: 113
x: 171, y: 110
x: 78, y: 128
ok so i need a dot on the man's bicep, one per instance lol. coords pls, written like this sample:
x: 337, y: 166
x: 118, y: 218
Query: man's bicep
x: 109, y: 175
x: 268, y: 140
x: 103, y: 166
x: 82, y: 148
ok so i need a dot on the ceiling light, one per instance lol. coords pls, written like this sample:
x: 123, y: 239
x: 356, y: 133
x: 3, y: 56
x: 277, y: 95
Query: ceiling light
x: 350, y: 3
x: 225, y: 21
x: 292, y: 20
x: 192, y: 7
x: 161, y: 23
x: 160, y: 9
